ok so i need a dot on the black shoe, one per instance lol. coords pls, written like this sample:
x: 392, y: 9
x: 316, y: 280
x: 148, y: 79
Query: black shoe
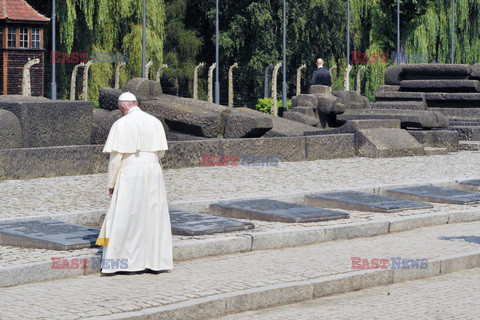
x: 156, y: 271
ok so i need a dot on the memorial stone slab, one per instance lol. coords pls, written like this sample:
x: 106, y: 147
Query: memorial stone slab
x: 475, y: 182
x: 435, y: 194
x: 272, y: 210
x: 353, y: 200
x: 194, y: 224
x: 47, y: 234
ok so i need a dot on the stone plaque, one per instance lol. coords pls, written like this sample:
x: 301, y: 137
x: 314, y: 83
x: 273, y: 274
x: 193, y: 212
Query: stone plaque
x: 272, y: 210
x: 193, y: 224
x: 435, y: 194
x: 353, y: 200
x: 47, y: 234
x: 475, y: 182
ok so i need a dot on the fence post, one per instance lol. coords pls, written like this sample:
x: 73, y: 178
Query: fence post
x: 274, y: 110
x: 73, y: 81
x: 210, y: 82
x: 195, y: 80
x: 117, y: 74
x: 299, y: 78
x: 359, y: 89
x: 346, y: 80
x: 230, y: 85
x: 85, y: 80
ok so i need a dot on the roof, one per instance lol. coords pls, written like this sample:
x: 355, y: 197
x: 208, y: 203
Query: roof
x: 19, y: 10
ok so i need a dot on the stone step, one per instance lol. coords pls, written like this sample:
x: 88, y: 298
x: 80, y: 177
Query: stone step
x: 464, y: 122
x: 447, y: 139
x: 440, y: 85
x: 452, y: 100
x: 308, y: 111
x: 399, y: 96
x: 431, y: 151
x: 469, y: 145
x: 423, y: 71
x: 302, y: 118
x: 408, y: 118
x: 411, y: 105
x: 469, y: 133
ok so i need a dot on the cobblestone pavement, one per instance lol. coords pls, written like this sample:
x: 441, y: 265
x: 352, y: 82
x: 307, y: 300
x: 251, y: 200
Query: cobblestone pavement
x: 451, y: 296
x: 44, y: 196
x: 88, y: 296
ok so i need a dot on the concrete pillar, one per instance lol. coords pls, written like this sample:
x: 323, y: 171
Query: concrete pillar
x: 117, y: 74
x: 210, y: 82
x: 85, y: 80
x: 195, y: 80
x: 73, y: 81
x: 26, y: 84
x: 346, y: 80
x: 274, y: 109
x: 299, y: 78
x: 147, y: 68
x: 230, y: 84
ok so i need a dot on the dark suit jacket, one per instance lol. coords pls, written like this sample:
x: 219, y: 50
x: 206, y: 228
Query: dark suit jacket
x: 321, y: 76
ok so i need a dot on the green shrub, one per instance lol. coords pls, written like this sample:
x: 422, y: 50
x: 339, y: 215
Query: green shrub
x: 265, y: 105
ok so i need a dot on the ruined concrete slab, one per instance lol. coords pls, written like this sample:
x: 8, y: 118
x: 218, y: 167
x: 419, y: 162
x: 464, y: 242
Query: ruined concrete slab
x: 10, y: 130
x: 448, y: 139
x: 408, y: 118
x: 453, y: 100
x: 399, y: 96
x: 302, y: 118
x: 440, y: 85
x: 143, y: 89
x: 108, y: 98
x: 102, y: 121
x: 377, y: 143
x: 393, y: 75
x: 412, y: 105
x: 425, y: 71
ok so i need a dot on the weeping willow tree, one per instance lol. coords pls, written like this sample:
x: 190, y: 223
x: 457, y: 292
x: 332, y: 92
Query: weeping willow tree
x: 433, y: 34
x: 110, y: 27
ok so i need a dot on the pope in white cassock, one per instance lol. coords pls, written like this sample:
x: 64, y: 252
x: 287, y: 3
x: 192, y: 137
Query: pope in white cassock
x: 136, y: 233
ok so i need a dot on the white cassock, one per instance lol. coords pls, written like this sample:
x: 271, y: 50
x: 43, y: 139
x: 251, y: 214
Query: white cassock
x: 137, y: 225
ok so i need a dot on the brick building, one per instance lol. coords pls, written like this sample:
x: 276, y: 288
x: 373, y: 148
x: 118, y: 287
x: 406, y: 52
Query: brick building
x: 21, y: 39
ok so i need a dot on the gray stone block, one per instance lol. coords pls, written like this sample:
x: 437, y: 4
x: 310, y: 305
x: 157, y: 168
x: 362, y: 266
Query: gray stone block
x: 356, y: 230
x: 459, y: 113
x: 399, y: 96
x: 467, y: 133
x: 307, y: 100
x: 393, y: 75
x: 187, y: 119
x: 287, y: 128
x: 418, y: 221
x: 28, y: 163
x: 408, y: 118
x: 47, y: 123
x: 388, y: 88
x: 319, y: 89
x: 302, y: 118
x: 278, y: 239
x: 197, y: 104
x: 475, y: 73
x: 437, y: 138
x: 460, y: 261
x: 143, y: 89
x: 410, y: 105
x: 189, y: 153
x: 101, y: 123
x: 330, y: 147
x: 424, y: 71
x: 326, y: 103
x: 10, y: 130
x: 180, y: 136
x: 351, y: 100
x: 108, y: 98
x: 246, y: 123
x: 282, y: 149
x: 194, y: 249
x: 440, y: 85
x: 308, y: 111
x: 436, y: 194
x: 351, y: 126
x: 382, y: 143
x: 453, y: 100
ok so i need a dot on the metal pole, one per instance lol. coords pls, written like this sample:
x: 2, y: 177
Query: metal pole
x: 143, y: 46
x: 398, y: 32
x: 217, y: 85
x: 284, y: 84
x: 348, y: 33
x: 453, y: 34
x: 54, y: 83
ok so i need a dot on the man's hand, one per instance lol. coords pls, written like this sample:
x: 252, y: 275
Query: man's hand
x: 110, y: 192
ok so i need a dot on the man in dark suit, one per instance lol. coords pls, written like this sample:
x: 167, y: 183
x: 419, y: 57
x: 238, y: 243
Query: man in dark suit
x: 320, y: 75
